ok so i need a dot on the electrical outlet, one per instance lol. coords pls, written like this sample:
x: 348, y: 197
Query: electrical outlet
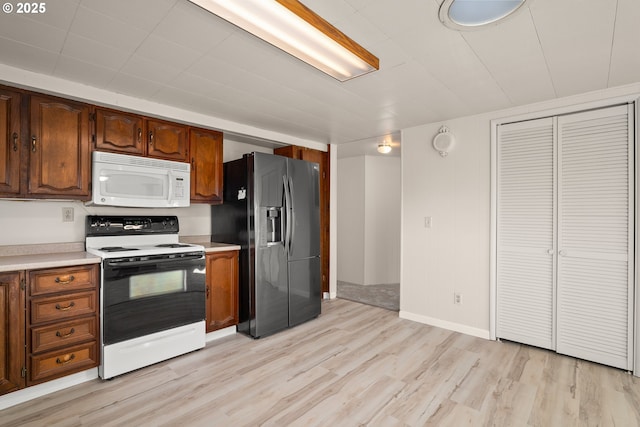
x: 67, y: 214
x: 457, y: 298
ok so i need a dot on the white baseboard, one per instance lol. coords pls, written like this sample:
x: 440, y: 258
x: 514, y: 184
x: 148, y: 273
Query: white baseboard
x: 452, y: 326
x: 26, y: 394
x: 221, y: 333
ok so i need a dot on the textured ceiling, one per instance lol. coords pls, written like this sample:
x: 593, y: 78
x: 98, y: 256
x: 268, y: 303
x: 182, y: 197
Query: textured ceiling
x: 173, y: 52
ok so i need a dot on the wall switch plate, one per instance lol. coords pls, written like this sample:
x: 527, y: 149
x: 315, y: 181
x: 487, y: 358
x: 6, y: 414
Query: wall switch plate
x: 427, y: 222
x: 67, y: 214
x: 457, y: 298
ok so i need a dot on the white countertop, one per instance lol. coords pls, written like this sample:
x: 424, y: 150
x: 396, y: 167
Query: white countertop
x: 27, y: 257
x: 35, y: 261
x: 218, y: 247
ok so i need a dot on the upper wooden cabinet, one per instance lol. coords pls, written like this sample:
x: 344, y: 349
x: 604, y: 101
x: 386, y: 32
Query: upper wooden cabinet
x: 120, y: 132
x: 134, y: 134
x: 59, y: 157
x: 205, y: 148
x: 12, y: 332
x: 167, y: 140
x: 10, y: 143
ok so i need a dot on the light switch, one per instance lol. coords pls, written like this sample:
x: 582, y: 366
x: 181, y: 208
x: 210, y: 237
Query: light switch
x: 427, y: 222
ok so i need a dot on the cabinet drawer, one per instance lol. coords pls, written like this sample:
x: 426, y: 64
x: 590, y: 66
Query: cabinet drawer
x: 63, y: 279
x: 62, y: 307
x: 62, y: 362
x: 45, y: 338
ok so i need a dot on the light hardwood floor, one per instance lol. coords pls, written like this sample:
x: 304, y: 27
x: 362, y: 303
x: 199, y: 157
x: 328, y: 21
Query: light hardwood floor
x: 354, y: 365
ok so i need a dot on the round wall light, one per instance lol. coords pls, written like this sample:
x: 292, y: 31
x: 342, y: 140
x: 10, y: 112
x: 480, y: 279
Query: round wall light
x: 473, y: 14
x: 443, y: 141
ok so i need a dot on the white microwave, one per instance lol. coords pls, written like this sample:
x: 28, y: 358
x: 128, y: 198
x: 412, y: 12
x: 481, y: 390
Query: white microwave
x: 142, y: 182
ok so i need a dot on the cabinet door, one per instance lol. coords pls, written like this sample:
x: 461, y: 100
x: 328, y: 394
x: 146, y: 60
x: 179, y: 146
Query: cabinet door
x: 119, y: 132
x: 167, y: 140
x: 12, y: 332
x: 595, y: 236
x: 60, y: 161
x: 222, y: 290
x: 206, y: 165
x: 526, y: 228
x: 9, y: 142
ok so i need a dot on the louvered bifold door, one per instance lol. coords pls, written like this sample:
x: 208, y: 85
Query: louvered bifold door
x: 525, y: 233
x: 595, y: 225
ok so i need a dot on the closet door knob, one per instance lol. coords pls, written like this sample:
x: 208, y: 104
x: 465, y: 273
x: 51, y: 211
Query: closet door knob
x: 550, y: 251
x: 562, y: 253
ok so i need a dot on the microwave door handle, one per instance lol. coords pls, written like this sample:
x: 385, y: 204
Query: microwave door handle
x: 170, y: 190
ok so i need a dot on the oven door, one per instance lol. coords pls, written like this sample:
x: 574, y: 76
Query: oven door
x: 143, y: 295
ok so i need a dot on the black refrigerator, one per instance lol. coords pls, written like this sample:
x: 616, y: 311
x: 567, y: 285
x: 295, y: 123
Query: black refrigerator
x: 271, y: 209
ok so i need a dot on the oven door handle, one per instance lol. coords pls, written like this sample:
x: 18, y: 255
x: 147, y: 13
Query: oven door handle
x: 128, y: 263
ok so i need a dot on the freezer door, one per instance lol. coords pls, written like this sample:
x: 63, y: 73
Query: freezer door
x: 304, y: 290
x: 304, y: 212
x: 271, y: 295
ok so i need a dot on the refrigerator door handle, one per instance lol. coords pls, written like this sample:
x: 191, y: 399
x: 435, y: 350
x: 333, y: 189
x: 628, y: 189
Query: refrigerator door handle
x: 292, y: 217
x: 287, y: 219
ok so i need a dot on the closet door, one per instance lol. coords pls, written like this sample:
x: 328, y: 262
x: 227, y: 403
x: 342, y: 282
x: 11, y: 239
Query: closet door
x: 525, y: 233
x: 595, y: 223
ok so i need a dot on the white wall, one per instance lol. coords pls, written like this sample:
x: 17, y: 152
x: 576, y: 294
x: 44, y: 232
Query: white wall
x: 369, y: 220
x: 382, y: 220
x: 350, y: 221
x: 454, y: 255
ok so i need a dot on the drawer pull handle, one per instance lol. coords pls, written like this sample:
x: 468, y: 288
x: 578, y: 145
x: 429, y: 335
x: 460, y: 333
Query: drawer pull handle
x: 65, y: 360
x: 59, y: 307
x: 33, y: 143
x: 61, y: 335
x: 15, y: 141
x: 65, y: 282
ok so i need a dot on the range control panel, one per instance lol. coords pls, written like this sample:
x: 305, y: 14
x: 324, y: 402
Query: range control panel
x: 126, y: 225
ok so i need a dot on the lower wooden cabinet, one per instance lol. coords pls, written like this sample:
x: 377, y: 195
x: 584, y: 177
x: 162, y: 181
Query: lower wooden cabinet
x: 12, y: 320
x: 222, y: 290
x: 62, y: 322
x: 51, y: 317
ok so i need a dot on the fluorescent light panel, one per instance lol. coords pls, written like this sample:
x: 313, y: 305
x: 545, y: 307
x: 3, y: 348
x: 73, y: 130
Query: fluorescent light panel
x: 292, y: 27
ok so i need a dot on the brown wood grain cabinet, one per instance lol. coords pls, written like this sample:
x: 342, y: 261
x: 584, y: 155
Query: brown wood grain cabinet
x: 62, y: 322
x: 167, y: 140
x: 10, y: 143
x: 205, y: 148
x: 322, y: 158
x: 59, y: 155
x: 12, y: 332
x: 222, y: 290
x: 120, y: 132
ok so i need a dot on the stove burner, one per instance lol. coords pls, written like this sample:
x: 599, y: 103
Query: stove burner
x: 116, y: 249
x: 172, y: 245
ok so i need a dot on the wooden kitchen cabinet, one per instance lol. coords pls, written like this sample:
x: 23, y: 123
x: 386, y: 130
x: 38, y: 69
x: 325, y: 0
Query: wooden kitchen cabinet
x: 10, y: 143
x: 12, y: 332
x: 167, y: 140
x: 222, y: 290
x: 59, y: 155
x: 205, y: 148
x: 119, y: 132
x: 62, y: 322
x: 322, y: 158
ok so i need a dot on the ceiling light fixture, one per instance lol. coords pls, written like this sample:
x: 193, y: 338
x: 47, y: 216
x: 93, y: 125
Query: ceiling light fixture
x: 294, y: 28
x: 473, y: 14
x: 384, y: 148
